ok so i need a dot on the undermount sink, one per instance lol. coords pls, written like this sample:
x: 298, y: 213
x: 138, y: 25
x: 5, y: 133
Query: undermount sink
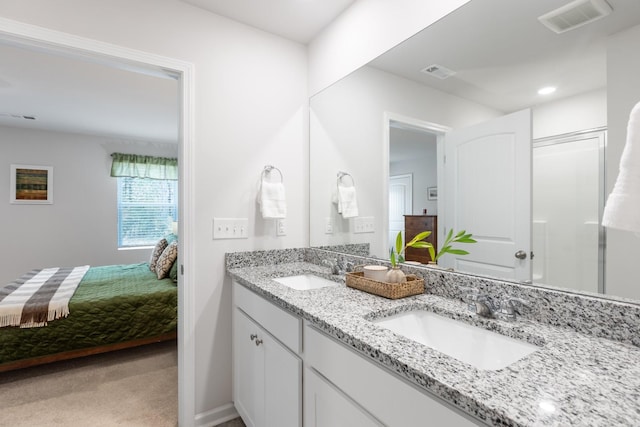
x: 475, y: 346
x: 305, y: 282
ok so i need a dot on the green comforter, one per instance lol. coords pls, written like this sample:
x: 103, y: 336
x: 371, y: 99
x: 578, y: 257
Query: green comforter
x: 112, y: 304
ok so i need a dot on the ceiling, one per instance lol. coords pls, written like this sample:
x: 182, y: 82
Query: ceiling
x: 500, y: 62
x: 68, y: 93
x: 502, y: 55
x: 297, y: 20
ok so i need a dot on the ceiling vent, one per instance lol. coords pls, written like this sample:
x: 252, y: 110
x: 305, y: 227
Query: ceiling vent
x: 438, y: 71
x: 575, y: 14
x: 16, y: 116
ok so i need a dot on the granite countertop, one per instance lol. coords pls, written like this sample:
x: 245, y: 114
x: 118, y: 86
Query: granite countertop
x: 574, y: 379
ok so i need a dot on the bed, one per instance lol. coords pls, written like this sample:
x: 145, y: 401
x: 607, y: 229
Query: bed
x: 113, y: 307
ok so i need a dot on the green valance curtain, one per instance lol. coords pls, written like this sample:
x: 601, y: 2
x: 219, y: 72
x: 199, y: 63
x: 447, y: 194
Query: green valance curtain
x: 139, y: 166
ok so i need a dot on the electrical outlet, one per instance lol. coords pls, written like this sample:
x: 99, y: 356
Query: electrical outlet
x: 281, y: 227
x: 328, y: 225
x: 230, y: 228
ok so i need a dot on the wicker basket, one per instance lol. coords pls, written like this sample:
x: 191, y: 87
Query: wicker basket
x: 413, y: 286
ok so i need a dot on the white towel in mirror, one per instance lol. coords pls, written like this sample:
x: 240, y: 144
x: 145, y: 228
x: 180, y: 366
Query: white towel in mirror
x: 623, y: 204
x: 347, y: 201
x: 273, y: 203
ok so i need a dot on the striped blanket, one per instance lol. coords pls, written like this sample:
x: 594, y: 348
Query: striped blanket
x: 39, y: 296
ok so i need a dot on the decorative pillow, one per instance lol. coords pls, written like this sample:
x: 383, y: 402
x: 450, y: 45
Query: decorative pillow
x: 157, y: 251
x: 173, y: 273
x: 166, y: 260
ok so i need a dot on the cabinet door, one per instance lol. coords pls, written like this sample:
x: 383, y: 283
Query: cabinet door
x: 326, y: 406
x: 283, y: 384
x: 248, y: 378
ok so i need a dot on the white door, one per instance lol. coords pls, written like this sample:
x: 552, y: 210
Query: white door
x: 488, y: 193
x: 400, y: 204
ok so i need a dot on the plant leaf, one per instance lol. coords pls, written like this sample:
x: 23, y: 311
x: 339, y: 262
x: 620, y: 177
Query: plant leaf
x: 467, y: 240
x: 422, y: 245
x: 449, y: 235
x: 461, y: 233
x: 392, y: 257
x: 399, y: 243
x: 432, y: 253
x: 458, y: 252
x: 400, y: 259
x: 420, y: 236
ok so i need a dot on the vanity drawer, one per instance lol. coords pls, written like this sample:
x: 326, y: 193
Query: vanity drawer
x: 392, y: 401
x: 286, y: 327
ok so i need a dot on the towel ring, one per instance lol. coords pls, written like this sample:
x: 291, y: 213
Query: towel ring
x: 268, y: 169
x: 343, y: 174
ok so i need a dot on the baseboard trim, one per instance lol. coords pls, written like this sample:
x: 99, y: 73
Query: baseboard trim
x: 216, y: 416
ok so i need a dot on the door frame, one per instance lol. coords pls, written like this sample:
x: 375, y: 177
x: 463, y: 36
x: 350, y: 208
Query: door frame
x: 30, y: 36
x: 434, y: 128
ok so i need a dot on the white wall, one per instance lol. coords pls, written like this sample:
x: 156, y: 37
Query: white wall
x: 623, y: 69
x: 81, y: 225
x: 571, y: 114
x: 250, y: 110
x: 366, y: 30
x: 347, y: 134
x: 422, y: 165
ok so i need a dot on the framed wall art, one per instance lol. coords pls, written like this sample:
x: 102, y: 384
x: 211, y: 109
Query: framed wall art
x: 31, y: 184
x: 432, y: 193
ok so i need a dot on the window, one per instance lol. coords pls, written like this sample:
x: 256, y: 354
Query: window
x: 146, y: 209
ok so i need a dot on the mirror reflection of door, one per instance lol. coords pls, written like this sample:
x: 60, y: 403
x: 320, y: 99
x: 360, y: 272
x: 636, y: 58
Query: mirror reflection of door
x: 400, y: 204
x: 488, y: 194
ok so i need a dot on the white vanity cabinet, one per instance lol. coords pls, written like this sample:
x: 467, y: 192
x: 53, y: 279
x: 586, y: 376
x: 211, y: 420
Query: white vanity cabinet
x: 327, y: 406
x: 344, y: 382
x: 267, y: 371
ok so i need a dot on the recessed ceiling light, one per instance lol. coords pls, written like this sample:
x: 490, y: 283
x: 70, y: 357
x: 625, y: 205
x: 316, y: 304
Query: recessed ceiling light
x: 546, y: 90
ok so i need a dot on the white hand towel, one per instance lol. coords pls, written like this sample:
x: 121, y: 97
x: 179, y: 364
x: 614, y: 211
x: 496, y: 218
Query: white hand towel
x: 347, y: 201
x: 273, y: 203
x: 623, y: 206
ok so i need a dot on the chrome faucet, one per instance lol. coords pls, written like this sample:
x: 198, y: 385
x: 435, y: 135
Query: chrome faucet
x: 337, y: 267
x: 484, y: 306
x: 332, y: 264
x: 509, y: 310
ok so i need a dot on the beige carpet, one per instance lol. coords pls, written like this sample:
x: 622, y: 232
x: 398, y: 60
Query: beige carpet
x: 135, y: 387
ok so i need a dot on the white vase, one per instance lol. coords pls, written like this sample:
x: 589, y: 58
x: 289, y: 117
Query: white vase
x: 395, y: 275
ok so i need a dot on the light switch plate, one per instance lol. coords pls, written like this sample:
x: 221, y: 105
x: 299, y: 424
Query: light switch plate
x: 364, y: 224
x: 230, y: 228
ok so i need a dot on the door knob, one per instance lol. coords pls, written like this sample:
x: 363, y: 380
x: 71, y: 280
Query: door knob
x: 521, y: 255
x: 258, y: 342
x: 253, y: 336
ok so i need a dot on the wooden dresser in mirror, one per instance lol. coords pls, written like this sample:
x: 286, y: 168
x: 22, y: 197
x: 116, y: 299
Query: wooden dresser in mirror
x: 414, y: 224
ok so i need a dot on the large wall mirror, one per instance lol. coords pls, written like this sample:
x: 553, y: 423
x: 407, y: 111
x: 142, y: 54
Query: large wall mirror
x: 449, y: 125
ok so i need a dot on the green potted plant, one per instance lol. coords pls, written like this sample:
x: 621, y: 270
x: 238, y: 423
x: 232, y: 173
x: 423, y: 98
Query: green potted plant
x: 396, y: 255
x: 447, y: 248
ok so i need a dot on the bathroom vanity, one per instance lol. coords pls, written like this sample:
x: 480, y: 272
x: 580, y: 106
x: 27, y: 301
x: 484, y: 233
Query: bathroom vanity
x: 322, y: 357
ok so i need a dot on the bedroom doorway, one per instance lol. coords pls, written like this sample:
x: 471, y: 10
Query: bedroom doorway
x: 17, y: 34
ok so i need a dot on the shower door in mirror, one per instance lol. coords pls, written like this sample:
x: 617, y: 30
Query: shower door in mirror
x: 568, y: 200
